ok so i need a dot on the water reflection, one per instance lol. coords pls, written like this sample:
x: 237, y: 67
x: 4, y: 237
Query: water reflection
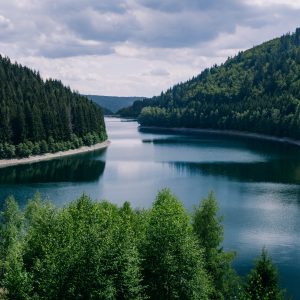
x: 60, y: 170
x: 221, y: 141
x: 274, y: 171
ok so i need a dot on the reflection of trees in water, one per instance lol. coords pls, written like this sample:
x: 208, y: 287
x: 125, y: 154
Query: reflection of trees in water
x: 214, y: 140
x: 275, y: 171
x: 60, y: 170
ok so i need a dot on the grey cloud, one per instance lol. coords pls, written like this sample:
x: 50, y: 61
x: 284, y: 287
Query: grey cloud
x: 73, y: 49
x: 5, y: 24
x: 69, y: 28
x: 108, y: 27
x: 158, y: 72
x: 190, y: 5
x: 66, y: 7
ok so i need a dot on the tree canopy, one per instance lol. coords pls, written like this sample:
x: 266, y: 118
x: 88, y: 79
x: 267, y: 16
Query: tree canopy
x: 97, y: 250
x: 38, y: 116
x: 258, y: 90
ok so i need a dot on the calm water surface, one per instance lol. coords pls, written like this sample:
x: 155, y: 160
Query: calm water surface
x: 256, y: 183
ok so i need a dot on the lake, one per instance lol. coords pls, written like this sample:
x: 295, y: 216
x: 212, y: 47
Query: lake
x: 256, y: 183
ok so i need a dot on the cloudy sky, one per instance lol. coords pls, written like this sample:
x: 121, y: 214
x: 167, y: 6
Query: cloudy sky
x: 136, y: 47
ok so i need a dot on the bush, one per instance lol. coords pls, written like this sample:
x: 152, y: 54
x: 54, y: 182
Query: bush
x: 7, y: 151
x: 23, y: 150
x: 44, y: 146
x: 88, y: 139
x: 36, y: 148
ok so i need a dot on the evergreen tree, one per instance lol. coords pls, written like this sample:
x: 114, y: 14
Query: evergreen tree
x: 209, y: 231
x: 262, y: 282
x: 33, y: 110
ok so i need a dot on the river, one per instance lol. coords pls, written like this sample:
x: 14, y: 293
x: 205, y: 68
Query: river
x: 256, y: 183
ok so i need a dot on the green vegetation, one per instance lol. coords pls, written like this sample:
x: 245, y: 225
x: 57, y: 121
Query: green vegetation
x: 96, y: 250
x: 113, y: 103
x: 106, y: 111
x: 136, y: 108
x: 257, y: 90
x: 262, y: 282
x: 39, y: 116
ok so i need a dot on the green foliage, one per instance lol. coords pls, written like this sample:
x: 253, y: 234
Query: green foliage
x: 14, y: 277
x: 207, y: 225
x: 172, y: 262
x: 23, y: 150
x: 262, y: 282
x: 257, y: 90
x: 96, y: 250
x: 209, y: 231
x: 7, y: 150
x: 84, y: 251
x: 134, y: 110
x: 33, y: 110
x: 11, y: 226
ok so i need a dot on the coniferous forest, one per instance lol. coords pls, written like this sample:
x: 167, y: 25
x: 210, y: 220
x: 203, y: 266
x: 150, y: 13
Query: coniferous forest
x: 257, y: 90
x: 38, y: 116
x: 96, y: 250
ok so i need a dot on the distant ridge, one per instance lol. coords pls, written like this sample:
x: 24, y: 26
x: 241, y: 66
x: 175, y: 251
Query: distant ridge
x: 113, y: 103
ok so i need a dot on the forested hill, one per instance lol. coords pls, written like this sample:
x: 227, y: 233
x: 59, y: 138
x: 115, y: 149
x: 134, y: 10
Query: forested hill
x: 113, y: 103
x: 39, y: 116
x: 257, y: 90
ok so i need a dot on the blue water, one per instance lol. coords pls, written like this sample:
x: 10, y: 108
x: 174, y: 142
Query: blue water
x: 256, y: 183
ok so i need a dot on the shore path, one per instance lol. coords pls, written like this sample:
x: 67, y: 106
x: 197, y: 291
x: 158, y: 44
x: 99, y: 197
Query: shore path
x: 47, y: 156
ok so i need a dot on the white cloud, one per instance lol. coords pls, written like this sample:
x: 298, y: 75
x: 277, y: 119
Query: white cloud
x: 136, y: 47
x: 266, y: 3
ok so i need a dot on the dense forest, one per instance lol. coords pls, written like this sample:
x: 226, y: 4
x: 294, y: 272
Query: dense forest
x: 96, y: 250
x: 257, y: 90
x: 38, y: 116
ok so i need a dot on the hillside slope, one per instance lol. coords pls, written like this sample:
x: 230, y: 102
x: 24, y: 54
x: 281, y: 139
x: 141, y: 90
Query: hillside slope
x: 39, y: 116
x: 257, y: 90
x: 113, y: 103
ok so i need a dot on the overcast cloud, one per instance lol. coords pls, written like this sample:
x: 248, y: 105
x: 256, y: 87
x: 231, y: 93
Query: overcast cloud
x: 136, y: 47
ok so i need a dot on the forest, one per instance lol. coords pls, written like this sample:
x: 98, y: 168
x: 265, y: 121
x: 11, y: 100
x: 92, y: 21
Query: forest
x: 38, y: 116
x: 97, y: 250
x: 258, y: 90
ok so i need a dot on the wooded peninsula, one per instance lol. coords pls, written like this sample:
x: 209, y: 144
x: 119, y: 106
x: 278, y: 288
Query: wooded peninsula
x: 257, y: 91
x: 38, y: 116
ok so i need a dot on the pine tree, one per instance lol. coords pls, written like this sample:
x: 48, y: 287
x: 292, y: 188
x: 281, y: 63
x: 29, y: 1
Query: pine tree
x: 263, y: 282
x: 209, y: 231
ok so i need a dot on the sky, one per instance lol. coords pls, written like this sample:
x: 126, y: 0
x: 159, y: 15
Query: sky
x: 136, y: 47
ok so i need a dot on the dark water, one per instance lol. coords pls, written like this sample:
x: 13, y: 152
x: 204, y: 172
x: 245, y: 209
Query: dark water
x: 256, y: 183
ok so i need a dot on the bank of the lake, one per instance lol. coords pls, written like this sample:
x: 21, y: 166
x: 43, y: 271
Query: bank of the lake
x: 48, y: 156
x: 247, y: 134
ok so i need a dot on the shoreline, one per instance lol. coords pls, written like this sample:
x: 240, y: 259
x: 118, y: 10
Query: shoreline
x: 252, y: 135
x: 48, y: 156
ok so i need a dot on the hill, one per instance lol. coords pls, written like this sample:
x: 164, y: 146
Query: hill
x: 257, y: 90
x: 105, y: 111
x: 113, y: 103
x: 38, y: 116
